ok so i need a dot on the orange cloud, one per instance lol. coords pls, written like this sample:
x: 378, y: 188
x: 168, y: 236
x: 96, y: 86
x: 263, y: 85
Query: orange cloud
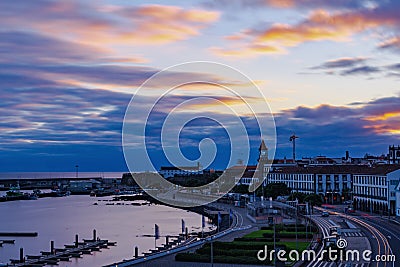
x: 157, y: 24
x: 385, y: 123
x: 392, y: 43
x: 127, y: 60
x: 281, y: 3
x: 250, y: 51
x: 228, y: 101
x: 385, y: 129
x: 319, y: 26
x: 110, y: 27
x: 385, y: 116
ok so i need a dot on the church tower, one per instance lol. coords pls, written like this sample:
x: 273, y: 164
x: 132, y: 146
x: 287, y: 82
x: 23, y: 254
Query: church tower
x: 262, y: 160
x: 263, y: 152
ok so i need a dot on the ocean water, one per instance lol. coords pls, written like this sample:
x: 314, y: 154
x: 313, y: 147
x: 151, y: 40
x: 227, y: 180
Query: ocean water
x: 59, y: 219
x: 38, y: 175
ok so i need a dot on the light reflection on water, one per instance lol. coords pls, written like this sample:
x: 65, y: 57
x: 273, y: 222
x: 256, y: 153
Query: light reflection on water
x: 59, y: 219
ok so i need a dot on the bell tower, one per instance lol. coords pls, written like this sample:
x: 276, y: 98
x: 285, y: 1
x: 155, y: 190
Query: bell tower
x: 262, y: 160
x: 263, y: 152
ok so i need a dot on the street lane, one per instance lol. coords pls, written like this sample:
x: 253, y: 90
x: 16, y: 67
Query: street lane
x: 379, y: 243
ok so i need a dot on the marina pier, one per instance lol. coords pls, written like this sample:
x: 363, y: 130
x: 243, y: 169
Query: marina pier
x: 55, y: 255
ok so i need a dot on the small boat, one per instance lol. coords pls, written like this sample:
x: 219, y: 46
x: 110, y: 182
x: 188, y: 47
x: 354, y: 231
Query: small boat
x: 8, y: 241
x: 34, y: 257
x: 75, y: 254
x: 14, y: 191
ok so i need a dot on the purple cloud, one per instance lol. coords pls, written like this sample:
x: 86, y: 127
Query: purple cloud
x: 341, y: 63
x: 361, y: 128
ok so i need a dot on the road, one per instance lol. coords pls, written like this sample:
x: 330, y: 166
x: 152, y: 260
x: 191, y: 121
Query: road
x: 356, y: 240
x: 380, y: 234
x: 390, y: 234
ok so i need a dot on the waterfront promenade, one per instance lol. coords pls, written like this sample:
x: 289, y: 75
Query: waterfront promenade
x: 243, y: 226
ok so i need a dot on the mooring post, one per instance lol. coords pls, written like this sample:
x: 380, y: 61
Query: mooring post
x: 94, y: 234
x: 76, y: 240
x: 186, y: 233
x: 52, y: 247
x: 21, y: 255
x: 166, y: 239
x: 136, y: 252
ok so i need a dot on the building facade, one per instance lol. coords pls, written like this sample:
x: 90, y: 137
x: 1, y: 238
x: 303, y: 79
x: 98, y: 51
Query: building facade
x: 168, y: 172
x: 394, y: 155
x: 375, y: 189
x: 371, y: 187
x: 297, y: 180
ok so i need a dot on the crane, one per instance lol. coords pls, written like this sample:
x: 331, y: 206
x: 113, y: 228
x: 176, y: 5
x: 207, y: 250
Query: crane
x: 293, y: 140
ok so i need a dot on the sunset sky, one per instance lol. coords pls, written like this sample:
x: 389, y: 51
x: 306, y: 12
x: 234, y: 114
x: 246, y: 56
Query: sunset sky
x: 329, y: 70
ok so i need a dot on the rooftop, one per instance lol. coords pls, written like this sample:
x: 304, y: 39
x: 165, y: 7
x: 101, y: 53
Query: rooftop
x: 339, y: 169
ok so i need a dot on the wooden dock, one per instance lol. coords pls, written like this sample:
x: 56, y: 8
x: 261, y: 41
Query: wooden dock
x: 55, y: 255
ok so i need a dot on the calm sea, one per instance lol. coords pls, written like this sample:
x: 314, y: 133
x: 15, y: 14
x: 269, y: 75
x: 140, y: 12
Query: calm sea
x: 59, y: 219
x: 38, y: 175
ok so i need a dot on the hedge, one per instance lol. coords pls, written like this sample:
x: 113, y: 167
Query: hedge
x: 288, y: 235
x: 238, y: 245
x: 257, y: 239
x: 291, y: 228
x: 193, y: 257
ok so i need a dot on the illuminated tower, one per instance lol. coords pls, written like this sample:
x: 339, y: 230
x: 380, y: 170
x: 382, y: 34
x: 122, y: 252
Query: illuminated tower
x: 262, y: 160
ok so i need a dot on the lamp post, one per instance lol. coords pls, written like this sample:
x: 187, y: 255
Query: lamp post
x: 76, y: 167
x: 211, y: 251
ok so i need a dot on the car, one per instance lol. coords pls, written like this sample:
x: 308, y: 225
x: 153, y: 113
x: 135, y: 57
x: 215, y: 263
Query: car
x: 325, y: 214
x: 350, y: 210
x: 348, y: 202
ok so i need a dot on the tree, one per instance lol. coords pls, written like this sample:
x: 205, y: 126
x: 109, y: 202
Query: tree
x: 297, y: 195
x: 313, y: 199
x: 241, y: 189
x: 276, y: 189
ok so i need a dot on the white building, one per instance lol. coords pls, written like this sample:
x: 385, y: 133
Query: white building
x: 296, y: 178
x: 168, y: 172
x: 333, y: 182
x: 375, y: 189
x: 248, y: 177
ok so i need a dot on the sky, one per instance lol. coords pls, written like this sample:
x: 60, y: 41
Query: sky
x: 69, y: 70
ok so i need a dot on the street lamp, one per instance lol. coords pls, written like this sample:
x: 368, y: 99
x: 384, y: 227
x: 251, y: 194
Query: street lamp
x: 76, y: 166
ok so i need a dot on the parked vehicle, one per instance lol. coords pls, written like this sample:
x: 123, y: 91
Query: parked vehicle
x: 325, y: 214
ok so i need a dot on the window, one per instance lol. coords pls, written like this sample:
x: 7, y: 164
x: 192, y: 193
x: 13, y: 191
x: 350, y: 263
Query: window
x: 328, y: 188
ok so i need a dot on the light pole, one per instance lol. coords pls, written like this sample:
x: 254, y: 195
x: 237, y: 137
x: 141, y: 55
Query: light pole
x: 274, y: 234
x: 297, y: 244
x: 211, y: 252
x: 76, y: 167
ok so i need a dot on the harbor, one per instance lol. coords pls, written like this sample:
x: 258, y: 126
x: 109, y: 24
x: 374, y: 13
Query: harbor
x: 60, y: 218
x: 55, y: 255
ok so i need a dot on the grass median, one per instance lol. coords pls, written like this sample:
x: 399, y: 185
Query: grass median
x: 244, y: 250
